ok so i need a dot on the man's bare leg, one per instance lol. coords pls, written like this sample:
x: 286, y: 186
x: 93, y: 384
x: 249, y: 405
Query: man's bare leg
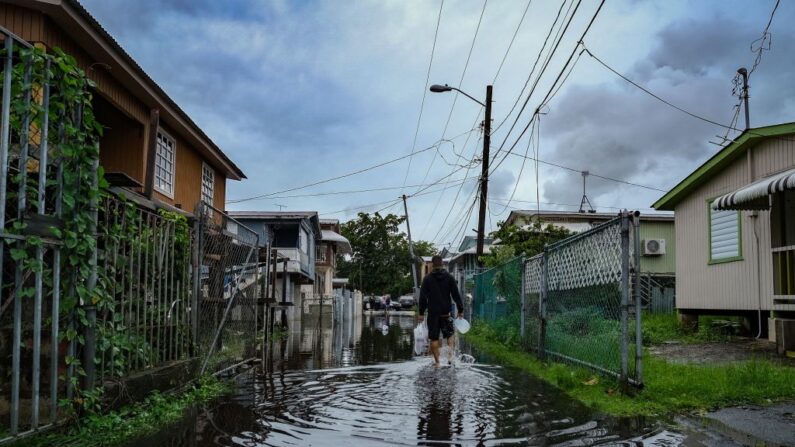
x: 450, y: 349
x: 435, y: 351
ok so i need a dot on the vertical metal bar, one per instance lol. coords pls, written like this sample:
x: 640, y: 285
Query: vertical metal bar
x: 56, y: 295
x: 5, y: 123
x: 624, y: 298
x: 129, y: 268
x: 542, y: 304
x: 89, y: 349
x: 140, y: 295
x: 172, y: 291
x: 196, y: 282
x: 36, y: 379
x: 638, y: 304
x: 158, y: 296
x: 18, y: 276
x: 145, y: 248
x: 523, y: 304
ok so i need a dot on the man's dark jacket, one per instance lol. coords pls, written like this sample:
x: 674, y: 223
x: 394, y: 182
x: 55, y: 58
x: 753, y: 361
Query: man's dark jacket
x: 437, y: 288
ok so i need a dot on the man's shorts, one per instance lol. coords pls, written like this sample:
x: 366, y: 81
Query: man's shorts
x: 437, y: 324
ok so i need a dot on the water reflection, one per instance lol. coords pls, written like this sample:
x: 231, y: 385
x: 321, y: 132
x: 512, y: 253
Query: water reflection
x: 364, y: 388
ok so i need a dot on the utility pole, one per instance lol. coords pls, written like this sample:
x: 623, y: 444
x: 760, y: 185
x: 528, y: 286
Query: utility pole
x: 744, y: 73
x: 411, y: 250
x: 484, y: 176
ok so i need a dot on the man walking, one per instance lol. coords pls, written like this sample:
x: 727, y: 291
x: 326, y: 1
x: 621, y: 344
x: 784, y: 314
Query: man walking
x: 438, y: 287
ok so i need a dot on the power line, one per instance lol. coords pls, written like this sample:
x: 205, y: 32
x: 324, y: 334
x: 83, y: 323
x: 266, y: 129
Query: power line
x: 349, y: 174
x: 510, y: 44
x: 424, y: 90
x: 672, y: 105
x: 460, y: 83
x: 578, y: 171
x: 358, y: 191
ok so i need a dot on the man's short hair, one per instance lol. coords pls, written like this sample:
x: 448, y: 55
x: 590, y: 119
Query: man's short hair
x: 437, y: 261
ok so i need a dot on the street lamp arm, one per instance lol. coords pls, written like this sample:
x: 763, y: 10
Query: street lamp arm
x: 468, y: 96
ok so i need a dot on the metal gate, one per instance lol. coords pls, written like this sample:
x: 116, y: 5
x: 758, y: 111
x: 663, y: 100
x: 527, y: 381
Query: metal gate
x: 226, y: 290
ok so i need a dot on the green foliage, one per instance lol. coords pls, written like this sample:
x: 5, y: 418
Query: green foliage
x: 528, y: 241
x: 662, y: 328
x: 137, y: 420
x: 669, y: 387
x: 381, y: 262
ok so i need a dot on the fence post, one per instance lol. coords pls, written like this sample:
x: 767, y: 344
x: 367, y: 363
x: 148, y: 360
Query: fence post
x: 523, y: 312
x: 624, y: 299
x: 638, y: 304
x: 542, y: 305
x: 197, y: 272
x: 89, y: 350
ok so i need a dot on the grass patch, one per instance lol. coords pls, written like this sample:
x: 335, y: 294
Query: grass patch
x: 661, y: 328
x: 133, y: 421
x: 669, y: 388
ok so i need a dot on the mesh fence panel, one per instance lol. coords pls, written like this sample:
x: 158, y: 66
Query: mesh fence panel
x: 569, y: 305
x: 228, y: 286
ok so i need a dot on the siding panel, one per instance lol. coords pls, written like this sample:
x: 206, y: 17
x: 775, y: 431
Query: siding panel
x: 732, y: 285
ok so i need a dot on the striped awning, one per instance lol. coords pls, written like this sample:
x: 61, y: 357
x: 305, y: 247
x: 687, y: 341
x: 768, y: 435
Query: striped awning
x: 755, y: 195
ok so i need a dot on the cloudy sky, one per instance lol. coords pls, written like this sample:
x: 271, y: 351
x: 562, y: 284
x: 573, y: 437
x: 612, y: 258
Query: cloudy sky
x: 301, y: 91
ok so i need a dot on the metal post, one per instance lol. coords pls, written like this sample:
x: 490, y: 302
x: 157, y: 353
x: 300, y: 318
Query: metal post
x: 624, y: 377
x: 744, y: 73
x: 196, y: 261
x: 638, y: 305
x: 411, y: 252
x: 542, y: 305
x: 522, y: 272
x: 484, y: 176
x: 89, y: 349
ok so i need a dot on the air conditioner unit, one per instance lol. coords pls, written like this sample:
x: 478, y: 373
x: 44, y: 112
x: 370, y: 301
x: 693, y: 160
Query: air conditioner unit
x: 653, y: 247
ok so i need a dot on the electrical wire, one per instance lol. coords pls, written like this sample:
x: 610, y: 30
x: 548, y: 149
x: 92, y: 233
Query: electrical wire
x: 424, y: 90
x: 349, y: 174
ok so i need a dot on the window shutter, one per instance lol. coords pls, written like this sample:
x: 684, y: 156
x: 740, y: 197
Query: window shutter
x: 724, y: 230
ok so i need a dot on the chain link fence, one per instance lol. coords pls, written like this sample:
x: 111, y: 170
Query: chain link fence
x: 573, y: 302
x: 226, y: 290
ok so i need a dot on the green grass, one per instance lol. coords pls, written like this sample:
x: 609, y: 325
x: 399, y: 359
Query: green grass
x: 669, y: 388
x: 661, y: 328
x: 132, y: 421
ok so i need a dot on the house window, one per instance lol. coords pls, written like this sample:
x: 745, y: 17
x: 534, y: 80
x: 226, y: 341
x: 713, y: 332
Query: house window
x: 164, y: 163
x: 724, y: 236
x: 321, y: 253
x: 208, y: 181
x: 782, y: 226
x: 303, y: 241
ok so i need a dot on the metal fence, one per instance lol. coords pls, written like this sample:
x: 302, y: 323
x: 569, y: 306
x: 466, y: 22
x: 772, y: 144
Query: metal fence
x: 573, y: 302
x: 226, y: 289
x: 32, y: 374
x: 146, y: 259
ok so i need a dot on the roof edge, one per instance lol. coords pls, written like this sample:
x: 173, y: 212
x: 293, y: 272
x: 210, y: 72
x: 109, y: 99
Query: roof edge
x: 710, y: 168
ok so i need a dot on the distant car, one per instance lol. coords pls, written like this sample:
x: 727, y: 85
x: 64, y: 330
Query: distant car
x: 406, y: 301
x: 395, y: 305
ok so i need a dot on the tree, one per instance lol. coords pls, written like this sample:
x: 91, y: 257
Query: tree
x: 529, y: 240
x: 380, y: 262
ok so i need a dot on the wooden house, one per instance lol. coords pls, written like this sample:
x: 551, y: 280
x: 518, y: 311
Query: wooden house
x: 151, y: 149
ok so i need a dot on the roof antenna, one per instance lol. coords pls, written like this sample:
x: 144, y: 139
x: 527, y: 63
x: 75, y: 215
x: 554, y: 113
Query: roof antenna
x: 280, y: 206
x: 585, y: 200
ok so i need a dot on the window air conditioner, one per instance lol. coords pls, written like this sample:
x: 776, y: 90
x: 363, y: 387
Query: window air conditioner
x: 653, y: 247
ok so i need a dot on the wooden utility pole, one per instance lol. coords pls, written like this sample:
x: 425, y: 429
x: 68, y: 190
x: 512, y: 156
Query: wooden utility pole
x: 411, y: 250
x: 484, y: 177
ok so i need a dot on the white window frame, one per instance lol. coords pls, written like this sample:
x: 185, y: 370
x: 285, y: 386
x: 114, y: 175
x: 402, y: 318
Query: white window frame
x: 208, y: 173
x: 160, y: 159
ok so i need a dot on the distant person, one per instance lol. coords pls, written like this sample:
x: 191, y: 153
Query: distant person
x: 438, y: 288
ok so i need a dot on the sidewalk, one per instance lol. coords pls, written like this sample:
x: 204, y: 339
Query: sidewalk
x: 769, y: 426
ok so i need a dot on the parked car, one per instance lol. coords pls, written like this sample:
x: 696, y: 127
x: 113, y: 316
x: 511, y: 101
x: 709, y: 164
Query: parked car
x: 395, y: 305
x: 406, y: 301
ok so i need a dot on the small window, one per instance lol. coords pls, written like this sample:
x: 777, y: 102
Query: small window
x: 208, y: 181
x: 321, y: 253
x: 164, y: 163
x: 724, y: 236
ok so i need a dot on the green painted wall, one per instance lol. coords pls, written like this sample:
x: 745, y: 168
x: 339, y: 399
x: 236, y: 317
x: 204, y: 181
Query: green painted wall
x: 664, y: 263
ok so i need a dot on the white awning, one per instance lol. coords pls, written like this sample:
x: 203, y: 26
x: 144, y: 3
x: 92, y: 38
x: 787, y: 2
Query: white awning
x: 755, y: 195
x: 343, y: 244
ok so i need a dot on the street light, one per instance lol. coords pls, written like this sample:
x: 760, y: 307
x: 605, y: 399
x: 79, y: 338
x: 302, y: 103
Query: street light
x: 484, y: 176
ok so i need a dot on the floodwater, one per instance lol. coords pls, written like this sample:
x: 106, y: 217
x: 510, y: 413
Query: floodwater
x: 357, y: 383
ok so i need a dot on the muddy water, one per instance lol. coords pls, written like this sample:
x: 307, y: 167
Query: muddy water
x: 358, y: 384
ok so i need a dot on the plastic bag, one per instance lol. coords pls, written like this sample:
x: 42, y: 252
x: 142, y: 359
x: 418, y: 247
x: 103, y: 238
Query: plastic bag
x: 421, y: 338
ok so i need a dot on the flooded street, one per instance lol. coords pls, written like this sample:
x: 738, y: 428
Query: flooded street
x: 360, y: 385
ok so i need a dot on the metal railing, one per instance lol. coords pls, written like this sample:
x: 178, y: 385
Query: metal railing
x: 573, y: 302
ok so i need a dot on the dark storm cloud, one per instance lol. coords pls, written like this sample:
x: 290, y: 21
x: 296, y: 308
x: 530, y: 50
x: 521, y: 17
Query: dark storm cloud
x: 615, y: 130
